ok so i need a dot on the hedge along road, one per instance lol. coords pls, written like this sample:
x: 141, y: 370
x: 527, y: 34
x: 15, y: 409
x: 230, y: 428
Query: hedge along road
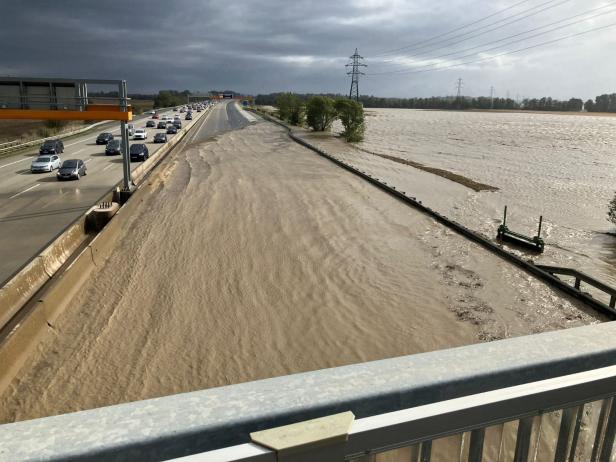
x: 34, y: 208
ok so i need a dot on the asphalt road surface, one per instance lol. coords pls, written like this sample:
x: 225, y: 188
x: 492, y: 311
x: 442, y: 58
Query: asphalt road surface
x: 34, y: 208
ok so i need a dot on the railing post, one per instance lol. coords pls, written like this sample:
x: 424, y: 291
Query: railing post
x: 425, y: 451
x: 522, y: 444
x: 577, y: 283
x: 564, y: 434
x: 610, y: 433
x: 323, y: 439
x: 613, y: 301
x: 475, y: 449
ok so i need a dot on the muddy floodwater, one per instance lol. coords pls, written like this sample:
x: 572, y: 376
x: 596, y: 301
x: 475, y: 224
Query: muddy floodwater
x: 252, y: 257
x: 560, y: 166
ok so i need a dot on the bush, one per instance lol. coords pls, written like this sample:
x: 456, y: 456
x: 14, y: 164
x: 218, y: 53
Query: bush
x: 320, y: 113
x: 290, y: 108
x: 351, y: 114
x: 611, y: 210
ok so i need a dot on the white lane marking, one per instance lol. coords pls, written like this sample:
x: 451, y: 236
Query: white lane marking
x: 108, y: 166
x: 20, y: 160
x: 25, y: 190
x: 86, y: 161
x: 78, y: 151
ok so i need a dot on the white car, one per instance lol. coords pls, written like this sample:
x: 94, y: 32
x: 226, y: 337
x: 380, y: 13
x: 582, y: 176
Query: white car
x: 140, y: 134
x: 165, y: 117
x: 45, y: 163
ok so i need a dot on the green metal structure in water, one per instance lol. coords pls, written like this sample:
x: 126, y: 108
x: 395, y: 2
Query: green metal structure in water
x: 505, y: 234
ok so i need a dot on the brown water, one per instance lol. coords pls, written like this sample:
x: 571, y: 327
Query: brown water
x: 252, y: 257
x: 560, y: 166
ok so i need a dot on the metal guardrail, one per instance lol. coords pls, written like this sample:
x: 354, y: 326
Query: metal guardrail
x: 447, y: 381
x: 14, y: 145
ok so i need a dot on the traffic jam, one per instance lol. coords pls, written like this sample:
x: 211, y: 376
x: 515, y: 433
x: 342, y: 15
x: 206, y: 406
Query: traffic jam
x: 163, y: 126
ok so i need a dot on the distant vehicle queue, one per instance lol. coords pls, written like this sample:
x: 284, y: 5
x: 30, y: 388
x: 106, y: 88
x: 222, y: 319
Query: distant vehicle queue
x: 49, y: 152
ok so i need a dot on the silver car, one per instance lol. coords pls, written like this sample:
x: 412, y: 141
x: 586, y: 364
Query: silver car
x: 45, y: 164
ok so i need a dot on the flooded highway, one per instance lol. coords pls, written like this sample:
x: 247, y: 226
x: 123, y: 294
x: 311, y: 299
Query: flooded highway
x: 253, y: 257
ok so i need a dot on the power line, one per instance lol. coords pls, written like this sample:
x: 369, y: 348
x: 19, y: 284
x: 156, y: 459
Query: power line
x: 504, y: 53
x: 402, y: 70
x: 355, y: 64
x: 452, y: 30
x: 485, y: 31
x: 455, y: 37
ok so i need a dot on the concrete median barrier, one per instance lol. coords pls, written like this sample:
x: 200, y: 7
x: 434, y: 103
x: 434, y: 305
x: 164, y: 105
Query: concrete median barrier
x: 17, y: 291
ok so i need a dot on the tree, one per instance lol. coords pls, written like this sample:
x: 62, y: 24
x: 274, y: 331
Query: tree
x: 611, y: 210
x: 351, y: 115
x: 589, y: 105
x: 168, y: 98
x: 290, y: 108
x: 320, y: 113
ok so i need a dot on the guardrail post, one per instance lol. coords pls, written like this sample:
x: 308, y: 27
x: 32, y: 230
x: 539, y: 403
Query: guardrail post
x: 321, y: 439
x: 577, y: 283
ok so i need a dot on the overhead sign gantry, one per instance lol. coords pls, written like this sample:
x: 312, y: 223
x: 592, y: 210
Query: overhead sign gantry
x: 67, y: 99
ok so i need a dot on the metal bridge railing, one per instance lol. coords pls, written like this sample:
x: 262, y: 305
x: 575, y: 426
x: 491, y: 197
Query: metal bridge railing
x: 540, y: 397
x: 582, y: 428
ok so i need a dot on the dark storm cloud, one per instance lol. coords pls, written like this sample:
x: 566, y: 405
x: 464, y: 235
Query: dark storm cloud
x: 263, y: 46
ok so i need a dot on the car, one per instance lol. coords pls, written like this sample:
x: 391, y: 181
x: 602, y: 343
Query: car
x: 72, y: 169
x: 114, y: 147
x: 172, y: 130
x: 199, y: 109
x: 175, y: 109
x: 155, y: 116
x: 131, y: 129
x: 165, y: 117
x: 188, y: 116
x: 45, y: 163
x: 162, y: 125
x: 104, y: 138
x: 182, y: 110
x: 139, y: 151
x: 140, y: 134
x: 52, y: 147
x: 150, y: 123
x: 177, y: 124
x: 160, y: 137
x: 152, y: 112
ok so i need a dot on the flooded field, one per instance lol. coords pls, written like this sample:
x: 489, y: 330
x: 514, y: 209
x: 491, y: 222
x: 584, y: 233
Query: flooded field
x: 252, y: 257
x: 560, y: 166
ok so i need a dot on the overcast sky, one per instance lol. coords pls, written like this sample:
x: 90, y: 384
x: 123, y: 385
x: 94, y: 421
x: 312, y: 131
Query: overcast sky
x: 262, y: 46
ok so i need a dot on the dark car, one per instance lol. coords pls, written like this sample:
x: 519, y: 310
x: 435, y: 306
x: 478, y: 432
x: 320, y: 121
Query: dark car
x: 172, y: 130
x: 114, y: 147
x: 162, y: 124
x: 188, y: 116
x: 177, y: 124
x: 139, y: 151
x: 52, y: 147
x: 72, y: 169
x: 160, y: 138
x: 104, y: 138
x: 150, y: 123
